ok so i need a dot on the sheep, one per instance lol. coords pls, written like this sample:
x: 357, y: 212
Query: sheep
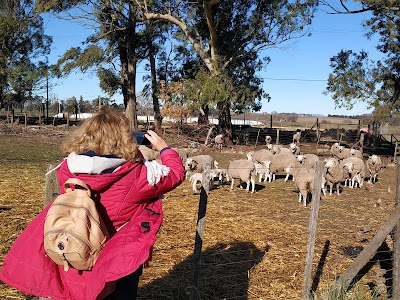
x: 268, y: 140
x: 341, y: 152
x: 334, y: 173
x: 197, y: 164
x: 219, y: 141
x: 308, y: 160
x: 281, y: 159
x: 244, y: 170
x: 262, y: 169
x: 374, y: 165
x: 297, y: 137
x: 149, y: 154
x: 356, y: 169
x: 294, y: 149
x: 194, y: 178
x: 277, y: 149
x: 183, y: 153
x: 260, y: 155
x: 356, y: 153
x: 304, y: 181
x: 220, y: 173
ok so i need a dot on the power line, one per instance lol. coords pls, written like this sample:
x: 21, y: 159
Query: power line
x: 293, y: 79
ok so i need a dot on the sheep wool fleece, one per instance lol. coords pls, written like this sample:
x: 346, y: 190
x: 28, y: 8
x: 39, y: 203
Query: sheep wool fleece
x: 124, y: 197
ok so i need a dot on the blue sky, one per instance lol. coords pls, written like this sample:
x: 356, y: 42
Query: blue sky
x: 295, y: 77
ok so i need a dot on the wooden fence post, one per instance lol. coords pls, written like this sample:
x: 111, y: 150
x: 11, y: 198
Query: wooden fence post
x: 312, y: 228
x: 395, y: 152
x: 337, y: 133
x: 277, y: 136
x: 396, y: 245
x: 51, y: 190
x: 67, y: 121
x: 201, y: 218
x: 26, y: 119
x: 258, y: 134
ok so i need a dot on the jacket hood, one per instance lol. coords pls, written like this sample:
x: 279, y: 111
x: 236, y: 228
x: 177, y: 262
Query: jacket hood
x: 97, y: 171
x: 80, y: 163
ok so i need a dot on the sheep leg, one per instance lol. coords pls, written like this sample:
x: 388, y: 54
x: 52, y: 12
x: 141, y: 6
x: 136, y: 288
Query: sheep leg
x: 287, y: 177
x: 338, y: 188
x: 330, y: 189
x: 305, y: 198
x: 300, y: 197
x: 194, y: 186
x: 232, y: 183
x: 260, y: 178
x: 253, y: 182
x: 247, y: 185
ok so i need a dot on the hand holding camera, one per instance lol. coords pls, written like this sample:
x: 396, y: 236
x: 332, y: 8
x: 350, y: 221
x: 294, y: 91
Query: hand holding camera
x: 150, y: 138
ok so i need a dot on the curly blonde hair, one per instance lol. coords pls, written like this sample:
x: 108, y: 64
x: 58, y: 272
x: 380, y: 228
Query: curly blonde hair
x: 107, y: 133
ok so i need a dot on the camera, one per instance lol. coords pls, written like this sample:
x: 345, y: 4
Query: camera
x: 140, y: 138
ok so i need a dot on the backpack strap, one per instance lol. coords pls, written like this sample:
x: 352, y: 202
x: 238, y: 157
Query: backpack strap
x: 76, y: 182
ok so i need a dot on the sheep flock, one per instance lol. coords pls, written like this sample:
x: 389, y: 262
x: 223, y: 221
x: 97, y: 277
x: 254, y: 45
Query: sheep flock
x: 343, y: 168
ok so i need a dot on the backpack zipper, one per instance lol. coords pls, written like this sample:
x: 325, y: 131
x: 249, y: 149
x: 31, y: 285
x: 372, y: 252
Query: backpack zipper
x: 76, y: 206
x: 79, y: 238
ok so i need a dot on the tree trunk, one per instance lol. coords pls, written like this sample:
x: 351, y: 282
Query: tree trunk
x: 131, y: 112
x: 224, y: 119
x: 203, y: 115
x: 154, y: 86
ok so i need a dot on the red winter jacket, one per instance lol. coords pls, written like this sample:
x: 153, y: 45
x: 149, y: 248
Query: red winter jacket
x: 125, y: 195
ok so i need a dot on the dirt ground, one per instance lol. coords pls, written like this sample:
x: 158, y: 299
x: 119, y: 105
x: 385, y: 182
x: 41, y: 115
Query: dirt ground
x: 254, y: 245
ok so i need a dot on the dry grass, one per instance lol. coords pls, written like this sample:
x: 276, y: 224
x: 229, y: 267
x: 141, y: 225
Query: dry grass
x: 254, y: 244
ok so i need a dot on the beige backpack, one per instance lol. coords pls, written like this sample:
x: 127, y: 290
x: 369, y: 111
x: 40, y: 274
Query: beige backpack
x: 74, y: 233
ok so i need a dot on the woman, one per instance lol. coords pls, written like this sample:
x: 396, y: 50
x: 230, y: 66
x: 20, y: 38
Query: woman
x: 104, y: 154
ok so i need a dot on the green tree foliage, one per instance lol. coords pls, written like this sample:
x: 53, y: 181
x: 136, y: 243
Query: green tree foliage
x: 355, y: 77
x: 229, y: 38
x: 22, y: 45
x: 118, y: 44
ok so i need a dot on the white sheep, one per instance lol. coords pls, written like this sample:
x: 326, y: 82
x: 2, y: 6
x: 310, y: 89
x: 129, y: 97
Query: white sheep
x: 219, y: 141
x: 197, y: 164
x: 308, y: 160
x: 294, y: 149
x: 297, y: 137
x: 341, y: 152
x: 219, y: 173
x: 259, y: 155
x: 304, y: 181
x: 374, y: 165
x: 149, y: 154
x: 194, y: 179
x: 244, y: 170
x: 183, y: 153
x: 334, y: 173
x: 356, y: 153
x: 262, y: 169
x: 268, y: 140
x: 356, y: 169
x: 281, y: 159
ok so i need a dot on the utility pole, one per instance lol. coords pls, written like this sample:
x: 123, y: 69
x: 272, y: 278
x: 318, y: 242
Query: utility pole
x: 47, y: 89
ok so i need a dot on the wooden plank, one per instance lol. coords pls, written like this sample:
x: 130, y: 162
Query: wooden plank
x: 201, y: 219
x: 343, y: 282
x: 396, y: 246
x: 52, y: 188
x: 312, y: 230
